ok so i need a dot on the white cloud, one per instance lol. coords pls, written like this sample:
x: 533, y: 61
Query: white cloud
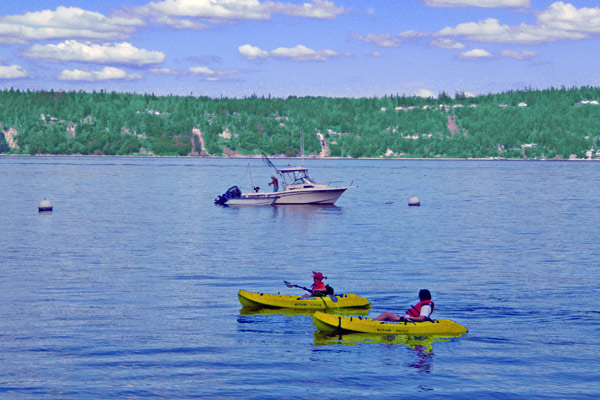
x: 179, y: 23
x: 65, y: 22
x: 208, y: 73
x: 560, y: 21
x: 252, y: 52
x: 566, y: 17
x: 320, y: 9
x: 303, y: 53
x: 376, y: 54
x: 228, y: 9
x: 517, y: 55
x: 476, y: 53
x: 490, y: 30
x: 478, y: 3
x: 425, y: 93
x: 413, y: 34
x: 72, y: 50
x: 12, y: 72
x: 240, y: 9
x: 106, y: 73
x: 212, y: 74
x: 202, y: 71
x: 383, y: 40
x: 298, y: 53
x: 445, y: 43
x: 163, y: 71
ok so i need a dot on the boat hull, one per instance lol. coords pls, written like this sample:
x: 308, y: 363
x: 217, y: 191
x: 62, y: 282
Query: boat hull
x: 336, y: 323
x: 309, y: 196
x: 318, y: 196
x: 252, y: 201
x: 265, y: 300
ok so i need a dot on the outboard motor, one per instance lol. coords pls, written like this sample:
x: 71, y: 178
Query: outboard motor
x: 233, y: 191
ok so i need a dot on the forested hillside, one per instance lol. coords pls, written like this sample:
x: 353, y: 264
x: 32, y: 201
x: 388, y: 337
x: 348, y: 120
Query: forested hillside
x: 553, y: 123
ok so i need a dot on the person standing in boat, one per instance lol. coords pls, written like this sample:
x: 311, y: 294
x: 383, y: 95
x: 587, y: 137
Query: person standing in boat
x: 417, y: 313
x: 318, y: 288
x: 275, y: 184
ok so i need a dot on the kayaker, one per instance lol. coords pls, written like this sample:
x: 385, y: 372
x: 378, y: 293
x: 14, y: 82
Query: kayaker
x: 417, y: 313
x: 275, y: 184
x: 318, y: 288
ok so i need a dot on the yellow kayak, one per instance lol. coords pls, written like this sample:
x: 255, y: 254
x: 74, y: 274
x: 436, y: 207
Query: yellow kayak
x: 336, y: 323
x: 332, y: 302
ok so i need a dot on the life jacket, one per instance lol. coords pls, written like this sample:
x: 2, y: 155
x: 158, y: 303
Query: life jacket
x: 318, y: 286
x: 415, y: 311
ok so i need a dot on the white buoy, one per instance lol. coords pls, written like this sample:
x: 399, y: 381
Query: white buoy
x: 45, y: 206
x: 414, y: 202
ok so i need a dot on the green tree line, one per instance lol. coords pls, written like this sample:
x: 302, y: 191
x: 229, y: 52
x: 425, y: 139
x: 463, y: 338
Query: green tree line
x: 551, y: 123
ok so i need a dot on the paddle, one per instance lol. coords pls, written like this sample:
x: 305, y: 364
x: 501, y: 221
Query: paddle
x: 291, y: 285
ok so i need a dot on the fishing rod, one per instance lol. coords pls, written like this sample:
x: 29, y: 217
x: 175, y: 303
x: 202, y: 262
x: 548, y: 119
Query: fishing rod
x: 255, y: 188
x: 270, y: 164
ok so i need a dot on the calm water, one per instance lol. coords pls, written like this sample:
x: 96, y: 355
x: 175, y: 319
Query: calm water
x: 129, y: 288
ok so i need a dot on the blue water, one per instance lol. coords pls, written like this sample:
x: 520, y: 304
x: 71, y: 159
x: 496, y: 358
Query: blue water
x: 129, y: 288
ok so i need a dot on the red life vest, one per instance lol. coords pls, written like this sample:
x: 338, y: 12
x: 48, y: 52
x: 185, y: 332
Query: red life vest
x: 319, y: 285
x: 415, y: 311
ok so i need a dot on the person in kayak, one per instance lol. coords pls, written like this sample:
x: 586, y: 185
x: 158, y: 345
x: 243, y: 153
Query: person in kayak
x: 318, y: 288
x: 275, y: 184
x: 417, y: 313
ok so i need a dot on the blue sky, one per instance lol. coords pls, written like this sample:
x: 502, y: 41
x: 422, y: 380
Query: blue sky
x: 338, y: 48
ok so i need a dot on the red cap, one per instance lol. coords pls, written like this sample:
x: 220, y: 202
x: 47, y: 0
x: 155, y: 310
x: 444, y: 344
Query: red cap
x: 318, y: 275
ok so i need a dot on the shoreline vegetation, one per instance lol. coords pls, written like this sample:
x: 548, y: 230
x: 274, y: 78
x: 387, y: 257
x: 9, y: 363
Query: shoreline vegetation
x: 550, y: 124
x: 280, y: 157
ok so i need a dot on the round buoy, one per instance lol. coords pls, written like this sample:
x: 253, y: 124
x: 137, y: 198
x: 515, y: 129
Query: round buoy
x: 414, y: 202
x: 45, y: 206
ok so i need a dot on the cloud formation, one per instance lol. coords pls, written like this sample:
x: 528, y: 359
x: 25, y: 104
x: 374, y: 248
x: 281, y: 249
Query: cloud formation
x: 383, y: 40
x: 518, y: 55
x: 445, y: 43
x: 566, y: 17
x: 106, y: 73
x: 72, y: 50
x: 170, y: 10
x: 476, y: 53
x: 208, y: 74
x: 12, y: 72
x: 65, y: 22
x: 478, y: 3
x: 490, y: 30
x: 298, y: 53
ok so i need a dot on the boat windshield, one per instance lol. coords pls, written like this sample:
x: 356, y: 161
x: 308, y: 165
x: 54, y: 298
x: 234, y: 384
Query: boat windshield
x: 299, y: 177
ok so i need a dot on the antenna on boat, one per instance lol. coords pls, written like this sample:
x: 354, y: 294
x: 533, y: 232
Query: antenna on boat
x: 302, y: 146
x: 250, y: 173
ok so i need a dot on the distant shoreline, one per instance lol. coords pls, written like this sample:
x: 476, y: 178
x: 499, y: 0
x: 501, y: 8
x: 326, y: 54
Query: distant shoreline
x: 295, y: 158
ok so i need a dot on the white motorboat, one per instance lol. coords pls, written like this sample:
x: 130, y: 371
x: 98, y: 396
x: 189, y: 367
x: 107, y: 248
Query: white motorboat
x: 297, y: 188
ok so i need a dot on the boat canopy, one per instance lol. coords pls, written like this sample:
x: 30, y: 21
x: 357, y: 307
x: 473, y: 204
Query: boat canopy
x: 296, y: 175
